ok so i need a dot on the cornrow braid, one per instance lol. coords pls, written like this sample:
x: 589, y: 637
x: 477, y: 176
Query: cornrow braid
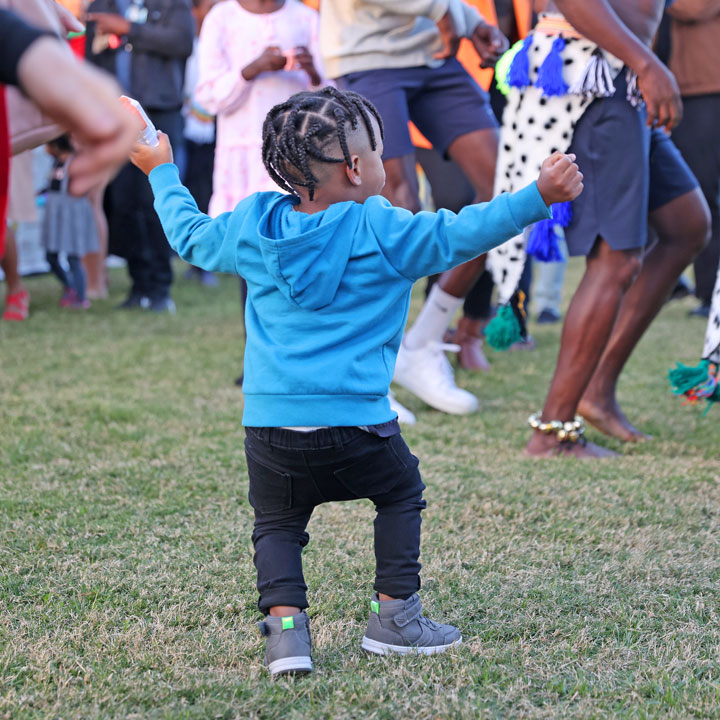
x: 297, y: 131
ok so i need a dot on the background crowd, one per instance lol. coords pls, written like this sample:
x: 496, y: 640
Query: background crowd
x: 207, y: 72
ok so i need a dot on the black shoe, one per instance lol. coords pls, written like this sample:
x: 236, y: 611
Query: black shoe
x: 162, y: 305
x: 701, y: 311
x: 133, y: 302
x: 548, y: 316
x: 682, y: 289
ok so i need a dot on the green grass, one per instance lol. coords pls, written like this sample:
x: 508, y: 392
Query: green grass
x: 126, y: 576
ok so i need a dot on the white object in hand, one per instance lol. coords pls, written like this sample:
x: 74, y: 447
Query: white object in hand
x: 149, y: 135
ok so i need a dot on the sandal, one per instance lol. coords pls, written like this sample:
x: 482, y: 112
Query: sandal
x: 17, y: 306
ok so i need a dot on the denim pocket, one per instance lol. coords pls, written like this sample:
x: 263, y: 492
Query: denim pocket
x: 270, y: 490
x: 374, y: 472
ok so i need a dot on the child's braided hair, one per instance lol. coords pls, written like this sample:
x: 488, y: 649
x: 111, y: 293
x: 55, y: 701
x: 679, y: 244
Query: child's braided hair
x: 296, y: 132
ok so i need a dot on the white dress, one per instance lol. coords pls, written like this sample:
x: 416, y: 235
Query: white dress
x: 231, y: 38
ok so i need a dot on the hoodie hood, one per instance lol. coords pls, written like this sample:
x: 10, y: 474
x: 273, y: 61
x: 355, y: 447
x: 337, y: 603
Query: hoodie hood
x: 306, y: 255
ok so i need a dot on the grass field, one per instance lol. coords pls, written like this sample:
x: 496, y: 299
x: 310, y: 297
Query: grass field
x: 126, y: 578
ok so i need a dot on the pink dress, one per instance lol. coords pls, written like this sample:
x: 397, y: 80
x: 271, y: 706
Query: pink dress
x: 231, y: 38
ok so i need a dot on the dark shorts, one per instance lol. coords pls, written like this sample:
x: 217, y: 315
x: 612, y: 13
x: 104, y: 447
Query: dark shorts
x: 629, y: 171
x: 443, y: 102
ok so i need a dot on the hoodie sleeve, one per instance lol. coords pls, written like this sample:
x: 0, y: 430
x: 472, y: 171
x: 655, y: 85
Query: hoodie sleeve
x: 429, y: 243
x: 196, y: 237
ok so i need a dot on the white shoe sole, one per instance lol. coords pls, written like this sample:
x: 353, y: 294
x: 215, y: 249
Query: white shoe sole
x: 444, y: 404
x: 302, y: 664
x: 380, y: 648
x: 405, y: 416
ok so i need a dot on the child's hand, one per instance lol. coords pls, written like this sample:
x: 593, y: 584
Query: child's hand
x: 271, y: 60
x: 148, y: 158
x: 560, y: 179
x: 305, y: 62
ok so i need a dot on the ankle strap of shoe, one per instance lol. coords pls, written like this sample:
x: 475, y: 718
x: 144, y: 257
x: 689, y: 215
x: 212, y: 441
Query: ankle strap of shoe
x: 409, y: 613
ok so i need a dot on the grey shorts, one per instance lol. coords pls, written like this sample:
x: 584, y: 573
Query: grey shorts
x: 629, y: 171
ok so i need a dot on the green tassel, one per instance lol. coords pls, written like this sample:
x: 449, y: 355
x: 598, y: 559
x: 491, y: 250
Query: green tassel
x: 696, y: 383
x: 504, y: 329
x: 683, y: 377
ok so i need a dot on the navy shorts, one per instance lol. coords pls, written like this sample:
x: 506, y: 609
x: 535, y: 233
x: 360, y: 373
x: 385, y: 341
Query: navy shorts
x: 629, y: 171
x: 443, y: 102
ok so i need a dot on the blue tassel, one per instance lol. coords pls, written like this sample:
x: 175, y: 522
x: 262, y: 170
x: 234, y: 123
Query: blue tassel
x: 543, y: 243
x: 562, y: 213
x: 519, y: 73
x: 550, y: 75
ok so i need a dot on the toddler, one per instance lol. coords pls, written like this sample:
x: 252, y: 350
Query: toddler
x: 68, y: 227
x: 330, y: 266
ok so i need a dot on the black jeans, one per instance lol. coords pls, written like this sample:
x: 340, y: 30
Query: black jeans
x: 135, y: 230
x: 698, y: 139
x: 292, y: 472
x: 452, y: 190
x: 199, y: 164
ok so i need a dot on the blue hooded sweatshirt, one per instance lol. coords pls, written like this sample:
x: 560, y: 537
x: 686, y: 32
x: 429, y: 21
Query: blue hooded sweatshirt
x: 329, y: 292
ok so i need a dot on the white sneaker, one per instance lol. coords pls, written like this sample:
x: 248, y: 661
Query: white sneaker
x: 427, y: 373
x: 405, y: 416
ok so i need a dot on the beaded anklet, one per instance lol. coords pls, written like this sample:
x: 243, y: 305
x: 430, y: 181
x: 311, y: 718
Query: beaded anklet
x: 568, y: 431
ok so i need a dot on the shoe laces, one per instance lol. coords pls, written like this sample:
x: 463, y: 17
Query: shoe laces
x: 440, y: 363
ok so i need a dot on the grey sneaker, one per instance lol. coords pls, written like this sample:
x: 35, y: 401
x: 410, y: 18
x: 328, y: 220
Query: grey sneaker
x: 288, y: 644
x: 398, y: 626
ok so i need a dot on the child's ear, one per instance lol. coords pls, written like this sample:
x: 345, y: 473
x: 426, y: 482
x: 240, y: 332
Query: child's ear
x: 353, y: 171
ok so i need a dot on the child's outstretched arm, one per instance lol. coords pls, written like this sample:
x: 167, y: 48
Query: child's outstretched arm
x: 429, y: 243
x: 197, y: 238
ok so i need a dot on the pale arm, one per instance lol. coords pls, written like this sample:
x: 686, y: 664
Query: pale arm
x: 221, y: 88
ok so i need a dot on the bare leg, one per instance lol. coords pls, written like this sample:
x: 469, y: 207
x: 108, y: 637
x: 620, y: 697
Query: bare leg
x: 9, y: 263
x: 95, y: 262
x: 401, y: 187
x: 476, y: 154
x: 586, y: 330
x: 682, y: 226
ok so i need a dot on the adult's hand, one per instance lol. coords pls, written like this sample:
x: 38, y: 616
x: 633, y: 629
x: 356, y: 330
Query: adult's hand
x: 449, y: 36
x: 489, y: 43
x: 68, y: 21
x: 661, y: 94
x: 84, y: 101
x: 109, y: 23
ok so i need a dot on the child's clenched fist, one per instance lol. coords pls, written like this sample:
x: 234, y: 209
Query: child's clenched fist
x: 560, y: 179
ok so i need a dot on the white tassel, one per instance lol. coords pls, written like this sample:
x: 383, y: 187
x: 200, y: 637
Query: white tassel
x: 597, y: 79
x: 634, y: 96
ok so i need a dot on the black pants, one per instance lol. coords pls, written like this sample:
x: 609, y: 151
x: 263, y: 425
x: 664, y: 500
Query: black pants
x: 292, y: 472
x: 698, y: 139
x: 135, y: 230
x: 199, y: 164
x: 453, y: 191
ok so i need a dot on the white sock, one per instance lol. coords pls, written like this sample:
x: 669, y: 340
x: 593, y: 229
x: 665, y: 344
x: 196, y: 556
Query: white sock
x: 434, y: 319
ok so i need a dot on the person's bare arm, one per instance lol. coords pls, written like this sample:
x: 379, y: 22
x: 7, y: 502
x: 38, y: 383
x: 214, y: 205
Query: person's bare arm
x: 84, y: 101
x: 598, y: 22
x: 694, y: 10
